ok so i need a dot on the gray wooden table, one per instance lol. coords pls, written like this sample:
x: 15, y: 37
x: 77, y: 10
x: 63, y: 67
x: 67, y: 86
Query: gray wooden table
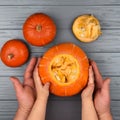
x: 105, y: 51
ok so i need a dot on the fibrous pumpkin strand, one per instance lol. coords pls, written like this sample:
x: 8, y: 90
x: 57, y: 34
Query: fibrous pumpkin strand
x: 89, y: 28
x: 86, y: 28
x: 64, y: 69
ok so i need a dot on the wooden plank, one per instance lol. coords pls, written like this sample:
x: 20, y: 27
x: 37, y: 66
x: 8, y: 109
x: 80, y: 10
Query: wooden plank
x: 59, y: 2
x: 13, y: 17
x: 107, y: 62
x: 7, y: 91
x: 107, y: 43
x: 63, y: 110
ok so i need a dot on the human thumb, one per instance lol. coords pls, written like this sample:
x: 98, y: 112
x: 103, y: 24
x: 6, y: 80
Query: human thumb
x: 47, y: 85
x: 88, y: 91
x: 90, y: 88
x: 17, y: 85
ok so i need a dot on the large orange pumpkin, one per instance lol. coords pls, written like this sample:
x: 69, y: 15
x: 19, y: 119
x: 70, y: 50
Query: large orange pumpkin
x: 14, y: 53
x: 39, y: 29
x: 65, y: 66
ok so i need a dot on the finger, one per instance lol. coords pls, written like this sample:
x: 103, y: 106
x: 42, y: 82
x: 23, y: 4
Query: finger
x: 88, y: 91
x: 28, y: 80
x: 36, y: 76
x: 91, y: 76
x: 106, y: 84
x: 47, y: 86
x: 98, y: 77
x: 17, y: 85
x: 29, y: 70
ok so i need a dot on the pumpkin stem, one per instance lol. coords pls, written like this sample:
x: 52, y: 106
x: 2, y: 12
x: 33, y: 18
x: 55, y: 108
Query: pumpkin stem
x: 38, y: 28
x: 10, y: 56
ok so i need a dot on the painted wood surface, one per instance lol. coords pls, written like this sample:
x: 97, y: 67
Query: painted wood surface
x: 13, y: 17
x: 60, y: 2
x: 56, y: 110
x: 105, y: 51
x: 7, y: 90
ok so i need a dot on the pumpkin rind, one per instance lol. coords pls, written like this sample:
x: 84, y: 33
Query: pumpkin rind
x: 86, y: 28
x: 39, y: 29
x: 64, y: 89
x: 14, y: 53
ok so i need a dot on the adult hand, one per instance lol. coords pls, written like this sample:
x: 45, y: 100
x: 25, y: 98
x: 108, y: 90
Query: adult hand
x: 102, y: 93
x: 25, y: 91
x: 42, y: 92
x: 88, y: 109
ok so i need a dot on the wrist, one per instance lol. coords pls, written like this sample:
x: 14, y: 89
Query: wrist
x: 42, y: 100
x: 23, y: 110
x: 21, y: 114
x: 84, y: 100
x: 45, y: 99
x: 105, y: 115
x: 87, y: 102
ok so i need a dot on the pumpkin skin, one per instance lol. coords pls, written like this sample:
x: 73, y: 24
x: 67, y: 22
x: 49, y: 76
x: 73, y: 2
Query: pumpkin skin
x: 39, y: 29
x: 76, y: 80
x: 14, y: 53
x: 86, y: 28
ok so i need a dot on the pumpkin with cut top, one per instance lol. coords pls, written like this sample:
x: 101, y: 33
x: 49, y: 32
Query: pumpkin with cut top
x: 65, y: 66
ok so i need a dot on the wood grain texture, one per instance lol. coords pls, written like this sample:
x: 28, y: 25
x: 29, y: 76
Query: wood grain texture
x: 7, y: 90
x: 108, y: 42
x: 59, y: 2
x: 13, y: 17
x: 107, y: 62
x: 105, y: 51
x: 56, y: 110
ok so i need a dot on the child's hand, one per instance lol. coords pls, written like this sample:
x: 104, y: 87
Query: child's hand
x: 87, y: 93
x: 102, y: 93
x: 42, y: 91
x: 88, y: 109
x: 25, y: 91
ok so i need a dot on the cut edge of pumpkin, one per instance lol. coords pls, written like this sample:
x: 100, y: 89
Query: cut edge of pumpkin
x: 64, y: 69
x: 58, y: 88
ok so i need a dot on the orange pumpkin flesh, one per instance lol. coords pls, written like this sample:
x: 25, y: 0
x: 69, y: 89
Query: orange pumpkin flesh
x: 65, y: 66
x: 14, y: 53
x: 39, y: 29
x: 86, y: 28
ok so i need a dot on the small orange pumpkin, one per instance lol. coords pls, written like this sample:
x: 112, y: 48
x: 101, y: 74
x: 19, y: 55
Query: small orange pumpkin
x: 65, y: 66
x: 39, y: 29
x: 14, y: 53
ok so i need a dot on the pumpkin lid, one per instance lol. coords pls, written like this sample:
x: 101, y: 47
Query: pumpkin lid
x: 86, y: 28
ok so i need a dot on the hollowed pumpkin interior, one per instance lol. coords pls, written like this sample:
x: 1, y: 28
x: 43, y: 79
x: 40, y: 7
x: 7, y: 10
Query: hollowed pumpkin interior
x: 64, y: 68
x: 87, y: 28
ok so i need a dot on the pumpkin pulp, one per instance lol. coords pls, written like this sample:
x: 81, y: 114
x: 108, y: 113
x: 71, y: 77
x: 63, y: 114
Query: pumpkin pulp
x: 90, y: 28
x: 86, y: 28
x: 64, y: 68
